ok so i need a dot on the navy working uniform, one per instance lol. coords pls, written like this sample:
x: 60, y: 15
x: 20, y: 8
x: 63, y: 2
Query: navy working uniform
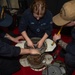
x: 10, y: 63
x: 70, y: 54
x: 8, y: 50
x: 34, y: 27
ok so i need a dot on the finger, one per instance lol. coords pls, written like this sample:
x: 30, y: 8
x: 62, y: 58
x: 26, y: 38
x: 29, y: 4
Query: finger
x: 32, y: 46
x: 39, y: 46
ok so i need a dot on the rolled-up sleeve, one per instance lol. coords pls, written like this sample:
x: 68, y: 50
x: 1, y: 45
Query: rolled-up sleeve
x: 49, y: 29
x: 49, y: 24
x: 71, y: 48
x: 23, y: 23
x: 7, y: 50
x: 2, y: 33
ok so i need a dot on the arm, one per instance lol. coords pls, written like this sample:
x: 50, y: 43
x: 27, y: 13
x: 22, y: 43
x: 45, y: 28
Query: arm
x: 57, y: 39
x: 49, y: 26
x: 29, y: 51
x: 9, y: 51
x: 23, y: 27
x: 40, y: 43
x: 62, y: 44
x: 29, y: 42
x: 69, y: 48
x: 47, y: 34
x: 14, y: 39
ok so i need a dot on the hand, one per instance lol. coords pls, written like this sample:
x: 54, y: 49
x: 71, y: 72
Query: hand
x: 39, y: 44
x: 30, y: 44
x: 34, y: 51
x: 17, y: 39
x: 72, y: 23
x: 56, y: 37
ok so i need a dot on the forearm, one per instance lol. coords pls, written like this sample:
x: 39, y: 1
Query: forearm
x: 62, y: 44
x: 24, y: 34
x: 44, y: 37
x: 9, y: 37
x: 24, y: 51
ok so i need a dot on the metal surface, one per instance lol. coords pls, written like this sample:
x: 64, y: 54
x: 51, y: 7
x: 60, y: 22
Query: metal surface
x: 35, y: 41
x: 35, y: 61
x: 57, y: 68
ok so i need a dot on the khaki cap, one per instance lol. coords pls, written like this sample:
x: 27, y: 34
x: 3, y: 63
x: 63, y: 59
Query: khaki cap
x: 66, y: 15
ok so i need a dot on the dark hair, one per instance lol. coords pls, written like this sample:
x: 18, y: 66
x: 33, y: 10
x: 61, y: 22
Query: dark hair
x: 38, y: 6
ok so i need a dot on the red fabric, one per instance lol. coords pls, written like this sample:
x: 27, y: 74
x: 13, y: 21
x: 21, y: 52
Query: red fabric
x: 28, y: 70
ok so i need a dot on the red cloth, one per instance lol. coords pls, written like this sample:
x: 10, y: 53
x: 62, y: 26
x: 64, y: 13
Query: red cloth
x: 28, y: 70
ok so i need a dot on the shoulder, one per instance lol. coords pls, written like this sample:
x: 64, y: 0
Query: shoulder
x: 48, y: 15
x: 27, y: 12
x: 48, y: 12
